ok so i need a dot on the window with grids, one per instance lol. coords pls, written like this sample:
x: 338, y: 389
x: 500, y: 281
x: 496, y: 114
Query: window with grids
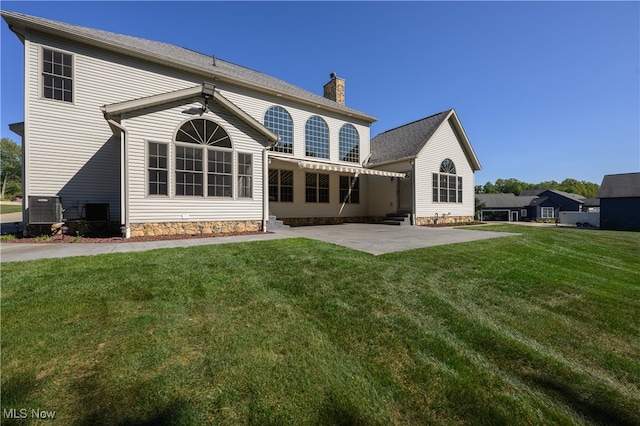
x: 349, y: 189
x: 349, y: 144
x: 204, y: 162
x: 219, y: 173
x: 446, y: 186
x: 278, y: 120
x: 281, y: 185
x: 547, y: 212
x: 316, y: 137
x: 245, y: 176
x: 157, y: 171
x: 317, y: 188
x: 57, y: 75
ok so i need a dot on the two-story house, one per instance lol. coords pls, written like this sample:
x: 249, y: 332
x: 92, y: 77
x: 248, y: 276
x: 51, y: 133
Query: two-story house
x: 164, y: 140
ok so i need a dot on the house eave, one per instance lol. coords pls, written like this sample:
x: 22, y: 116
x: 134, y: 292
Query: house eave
x: 117, y: 109
x: 17, y: 128
x: 20, y: 27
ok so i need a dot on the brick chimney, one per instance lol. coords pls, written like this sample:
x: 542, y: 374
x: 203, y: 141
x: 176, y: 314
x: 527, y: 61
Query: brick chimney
x: 334, y: 89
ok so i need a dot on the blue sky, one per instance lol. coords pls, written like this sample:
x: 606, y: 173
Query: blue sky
x: 544, y: 90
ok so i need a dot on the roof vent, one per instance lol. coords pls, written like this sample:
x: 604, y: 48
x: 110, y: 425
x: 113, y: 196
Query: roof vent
x: 214, y: 60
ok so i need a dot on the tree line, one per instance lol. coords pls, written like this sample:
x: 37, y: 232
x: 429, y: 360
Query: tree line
x: 10, y: 168
x: 514, y: 186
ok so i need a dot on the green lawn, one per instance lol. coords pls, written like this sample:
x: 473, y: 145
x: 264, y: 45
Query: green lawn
x: 10, y: 208
x: 540, y: 328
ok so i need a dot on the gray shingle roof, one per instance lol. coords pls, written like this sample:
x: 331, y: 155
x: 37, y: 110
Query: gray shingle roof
x: 405, y: 141
x: 174, y: 56
x: 505, y: 201
x: 625, y: 185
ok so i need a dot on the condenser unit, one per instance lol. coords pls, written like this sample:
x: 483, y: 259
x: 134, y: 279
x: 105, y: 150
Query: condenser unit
x: 44, y: 210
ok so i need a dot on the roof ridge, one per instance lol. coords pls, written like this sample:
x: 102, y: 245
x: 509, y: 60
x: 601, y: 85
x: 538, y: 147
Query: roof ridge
x: 415, y: 121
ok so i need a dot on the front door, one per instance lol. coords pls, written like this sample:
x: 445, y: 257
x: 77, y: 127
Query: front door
x: 405, y: 193
x: 514, y: 216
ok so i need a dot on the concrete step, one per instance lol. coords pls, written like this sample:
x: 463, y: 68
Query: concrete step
x: 274, y: 225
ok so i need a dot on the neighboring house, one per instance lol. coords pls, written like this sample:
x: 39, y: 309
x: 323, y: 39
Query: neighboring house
x: 566, y: 201
x: 504, y: 207
x: 620, y: 202
x: 166, y: 140
x: 535, y: 204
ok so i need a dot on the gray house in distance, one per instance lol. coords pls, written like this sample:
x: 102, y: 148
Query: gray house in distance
x: 620, y: 202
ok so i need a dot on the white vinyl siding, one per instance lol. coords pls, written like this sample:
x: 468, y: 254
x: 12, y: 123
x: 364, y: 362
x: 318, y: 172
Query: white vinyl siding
x: 160, y: 124
x: 70, y: 150
x: 444, y: 144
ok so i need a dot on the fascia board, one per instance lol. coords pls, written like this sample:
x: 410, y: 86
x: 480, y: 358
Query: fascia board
x: 238, y: 112
x: 151, y: 101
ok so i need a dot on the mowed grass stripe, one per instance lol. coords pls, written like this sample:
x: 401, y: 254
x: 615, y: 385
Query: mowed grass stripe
x: 524, y: 330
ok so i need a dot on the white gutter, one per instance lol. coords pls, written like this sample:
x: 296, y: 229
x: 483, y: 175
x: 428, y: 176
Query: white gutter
x: 124, y: 178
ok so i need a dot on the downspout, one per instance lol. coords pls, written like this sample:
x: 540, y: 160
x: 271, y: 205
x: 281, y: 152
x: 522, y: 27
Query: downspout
x: 265, y: 188
x: 413, y: 191
x: 124, y: 178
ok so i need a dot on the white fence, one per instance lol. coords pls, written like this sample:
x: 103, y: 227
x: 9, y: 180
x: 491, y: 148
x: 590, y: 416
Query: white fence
x: 586, y: 219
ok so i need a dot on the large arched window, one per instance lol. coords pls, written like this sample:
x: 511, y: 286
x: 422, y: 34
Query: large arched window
x: 316, y: 137
x: 205, y: 164
x: 447, y: 186
x: 278, y: 120
x: 349, y: 144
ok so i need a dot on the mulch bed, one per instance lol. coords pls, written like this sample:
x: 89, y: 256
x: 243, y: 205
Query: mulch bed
x: 69, y: 239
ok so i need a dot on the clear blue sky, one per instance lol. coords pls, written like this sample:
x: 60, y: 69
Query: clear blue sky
x: 544, y: 90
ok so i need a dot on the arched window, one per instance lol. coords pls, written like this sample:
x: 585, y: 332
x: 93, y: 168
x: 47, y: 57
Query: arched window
x: 447, y: 166
x: 447, y: 187
x: 316, y: 137
x: 278, y: 120
x: 349, y: 144
x: 204, y: 163
x: 203, y: 131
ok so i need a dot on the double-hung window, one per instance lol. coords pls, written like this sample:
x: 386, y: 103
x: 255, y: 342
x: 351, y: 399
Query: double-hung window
x: 57, y: 75
x: 157, y: 169
x: 281, y: 185
x: 547, y: 212
x: 349, y: 189
x: 317, y: 188
x: 245, y: 176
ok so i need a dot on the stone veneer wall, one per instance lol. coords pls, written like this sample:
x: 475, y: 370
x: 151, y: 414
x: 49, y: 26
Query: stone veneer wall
x: 194, y: 228
x: 307, y: 221
x: 446, y: 220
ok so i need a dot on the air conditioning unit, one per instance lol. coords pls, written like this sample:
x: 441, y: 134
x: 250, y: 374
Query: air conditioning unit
x: 44, y: 210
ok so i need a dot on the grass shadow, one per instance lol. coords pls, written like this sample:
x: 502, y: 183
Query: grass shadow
x: 600, y: 411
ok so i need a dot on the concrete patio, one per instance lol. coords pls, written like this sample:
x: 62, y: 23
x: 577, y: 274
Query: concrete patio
x: 370, y: 238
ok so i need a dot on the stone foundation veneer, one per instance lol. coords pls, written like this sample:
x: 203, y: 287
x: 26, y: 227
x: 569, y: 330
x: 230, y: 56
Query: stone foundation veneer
x: 194, y: 228
x: 446, y: 220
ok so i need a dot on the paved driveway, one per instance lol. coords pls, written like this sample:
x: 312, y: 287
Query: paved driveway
x: 374, y: 239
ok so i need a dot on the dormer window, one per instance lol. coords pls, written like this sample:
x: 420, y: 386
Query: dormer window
x: 57, y: 75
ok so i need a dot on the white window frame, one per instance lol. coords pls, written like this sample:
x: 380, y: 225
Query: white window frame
x: 147, y: 169
x: 546, y: 209
x: 240, y: 176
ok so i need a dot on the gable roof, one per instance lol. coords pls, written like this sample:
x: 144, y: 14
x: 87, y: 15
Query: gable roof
x: 504, y: 201
x: 169, y: 55
x: 625, y: 185
x: 575, y: 197
x: 406, y: 142
x: 141, y: 103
